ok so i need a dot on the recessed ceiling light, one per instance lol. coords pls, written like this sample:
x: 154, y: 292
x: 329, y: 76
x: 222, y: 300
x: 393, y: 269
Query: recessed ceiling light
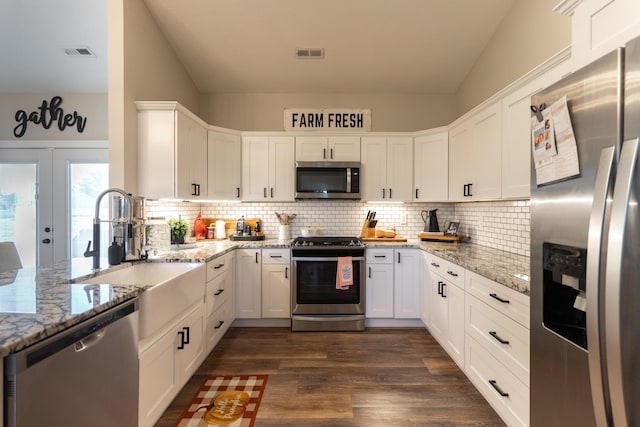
x: 81, y: 51
x: 310, y: 53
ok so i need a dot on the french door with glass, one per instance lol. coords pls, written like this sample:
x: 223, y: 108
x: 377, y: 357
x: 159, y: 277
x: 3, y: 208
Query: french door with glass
x: 47, y: 200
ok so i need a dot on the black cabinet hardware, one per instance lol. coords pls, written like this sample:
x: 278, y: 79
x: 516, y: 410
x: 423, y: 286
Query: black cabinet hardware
x: 495, y: 335
x: 220, y: 323
x: 495, y: 296
x: 494, y: 384
x: 218, y: 292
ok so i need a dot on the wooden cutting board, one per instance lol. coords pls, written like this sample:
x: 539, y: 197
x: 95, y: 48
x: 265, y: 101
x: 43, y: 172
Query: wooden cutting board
x: 439, y: 238
x: 384, y: 239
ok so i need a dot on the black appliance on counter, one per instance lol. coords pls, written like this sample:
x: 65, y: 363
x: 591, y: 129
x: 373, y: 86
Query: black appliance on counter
x: 316, y: 303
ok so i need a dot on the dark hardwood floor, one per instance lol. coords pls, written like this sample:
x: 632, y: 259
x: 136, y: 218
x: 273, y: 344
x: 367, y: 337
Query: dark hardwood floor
x: 380, y: 377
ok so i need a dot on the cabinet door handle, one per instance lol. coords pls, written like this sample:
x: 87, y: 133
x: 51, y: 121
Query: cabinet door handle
x: 184, y: 337
x: 324, y: 153
x: 218, y: 292
x: 219, y: 325
x: 495, y: 335
x: 451, y: 273
x: 439, y: 287
x: 181, y: 334
x: 467, y: 190
x: 272, y: 192
x: 264, y: 192
x: 416, y: 193
x: 435, y: 265
x: 195, y: 189
x: 331, y: 151
x: 238, y: 192
x: 398, y: 257
x: 257, y: 262
x: 186, y: 329
x: 444, y: 286
x: 494, y: 384
x: 390, y: 196
x: 384, y: 192
x: 495, y: 296
x: 286, y: 272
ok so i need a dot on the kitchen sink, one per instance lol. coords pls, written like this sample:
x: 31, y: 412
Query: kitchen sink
x: 171, y: 288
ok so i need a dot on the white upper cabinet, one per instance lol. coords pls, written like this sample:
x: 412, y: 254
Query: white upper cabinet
x: 172, y: 152
x: 268, y: 168
x: 431, y: 167
x: 387, y: 168
x: 475, y: 155
x: 600, y: 26
x: 224, y: 166
x: 328, y: 148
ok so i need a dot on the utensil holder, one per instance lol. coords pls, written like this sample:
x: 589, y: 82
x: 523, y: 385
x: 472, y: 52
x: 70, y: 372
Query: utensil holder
x: 284, y: 232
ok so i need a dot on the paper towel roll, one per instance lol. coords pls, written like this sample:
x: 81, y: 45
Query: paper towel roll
x: 220, y: 231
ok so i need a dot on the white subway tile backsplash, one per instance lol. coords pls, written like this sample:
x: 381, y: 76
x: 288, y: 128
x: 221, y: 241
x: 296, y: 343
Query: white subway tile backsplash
x: 503, y: 225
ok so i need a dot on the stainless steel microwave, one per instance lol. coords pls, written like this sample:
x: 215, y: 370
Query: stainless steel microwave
x: 328, y: 180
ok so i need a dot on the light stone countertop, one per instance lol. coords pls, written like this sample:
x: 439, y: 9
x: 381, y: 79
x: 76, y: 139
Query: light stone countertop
x: 38, y: 303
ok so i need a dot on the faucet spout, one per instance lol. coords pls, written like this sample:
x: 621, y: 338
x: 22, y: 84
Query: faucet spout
x: 95, y: 253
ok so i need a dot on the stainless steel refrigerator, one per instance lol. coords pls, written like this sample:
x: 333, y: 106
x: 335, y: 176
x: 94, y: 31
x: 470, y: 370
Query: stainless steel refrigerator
x: 585, y: 255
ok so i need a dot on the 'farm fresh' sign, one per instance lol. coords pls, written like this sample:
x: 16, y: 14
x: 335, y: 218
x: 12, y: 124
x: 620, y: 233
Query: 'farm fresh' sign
x: 327, y: 119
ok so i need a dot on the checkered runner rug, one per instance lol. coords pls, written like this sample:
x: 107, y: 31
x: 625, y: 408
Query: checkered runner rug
x: 220, y: 387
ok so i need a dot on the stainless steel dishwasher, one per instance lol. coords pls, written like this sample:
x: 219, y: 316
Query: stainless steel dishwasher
x: 86, y: 375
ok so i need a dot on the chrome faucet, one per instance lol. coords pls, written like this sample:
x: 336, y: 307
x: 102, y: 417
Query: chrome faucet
x: 95, y: 253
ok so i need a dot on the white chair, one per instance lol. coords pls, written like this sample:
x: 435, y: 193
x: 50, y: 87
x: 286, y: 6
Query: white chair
x: 9, y: 258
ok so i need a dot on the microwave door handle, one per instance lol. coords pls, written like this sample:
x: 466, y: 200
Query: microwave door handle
x: 615, y: 279
x: 602, y: 190
x: 348, y: 180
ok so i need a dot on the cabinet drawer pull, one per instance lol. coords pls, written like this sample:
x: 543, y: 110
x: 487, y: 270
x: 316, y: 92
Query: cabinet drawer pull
x: 275, y: 256
x: 495, y: 335
x: 435, y: 265
x: 379, y: 256
x: 451, y: 273
x: 218, y: 292
x: 218, y: 266
x: 494, y: 384
x: 219, y: 325
x: 495, y: 296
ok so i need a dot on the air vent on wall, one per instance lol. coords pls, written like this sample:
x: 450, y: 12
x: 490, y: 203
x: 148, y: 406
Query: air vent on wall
x: 82, y: 51
x: 310, y: 53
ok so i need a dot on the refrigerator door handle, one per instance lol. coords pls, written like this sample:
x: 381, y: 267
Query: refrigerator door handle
x: 602, y: 191
x: 615, y: 252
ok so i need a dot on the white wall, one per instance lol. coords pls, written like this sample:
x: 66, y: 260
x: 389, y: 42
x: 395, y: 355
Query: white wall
x: 142, y: 67
x: 389, y: 112
x: 529, y: 35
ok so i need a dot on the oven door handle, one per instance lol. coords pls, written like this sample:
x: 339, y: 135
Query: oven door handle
x: 322, y: 258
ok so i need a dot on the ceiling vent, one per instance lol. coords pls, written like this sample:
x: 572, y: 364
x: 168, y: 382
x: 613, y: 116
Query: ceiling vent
x: 82, y: 51
x: 310, y: 53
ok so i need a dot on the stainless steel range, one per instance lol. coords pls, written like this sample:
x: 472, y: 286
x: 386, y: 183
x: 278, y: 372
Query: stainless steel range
x: 316, y: 303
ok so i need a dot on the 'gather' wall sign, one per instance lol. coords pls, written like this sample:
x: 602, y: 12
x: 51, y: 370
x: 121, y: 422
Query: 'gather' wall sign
x: 46, y: 114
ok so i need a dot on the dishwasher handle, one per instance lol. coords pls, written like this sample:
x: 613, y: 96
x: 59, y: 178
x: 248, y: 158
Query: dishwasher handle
x: 89, y: 341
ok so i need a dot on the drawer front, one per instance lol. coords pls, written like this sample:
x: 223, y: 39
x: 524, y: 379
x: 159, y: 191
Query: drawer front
x: 218, y: 292
x: 511, y: 303
x: 506, y: 394
x: 505, y: 339
x: 449, y: 271
x: 379, y: 256
x: 219, y: 265
x: 276, y: 256
x: 217, y: 324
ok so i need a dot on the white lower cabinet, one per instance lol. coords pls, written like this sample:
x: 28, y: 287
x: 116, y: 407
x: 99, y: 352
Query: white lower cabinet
x: 168, y: 364
x: 406, y: 280
x: 276, y: 283
x: 248, y: 284
x: 219, y: 298
x: 446, y: 285
x: 379, y: 283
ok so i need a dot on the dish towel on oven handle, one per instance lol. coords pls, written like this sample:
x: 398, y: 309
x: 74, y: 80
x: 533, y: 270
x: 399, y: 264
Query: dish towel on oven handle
x: 344, y: 273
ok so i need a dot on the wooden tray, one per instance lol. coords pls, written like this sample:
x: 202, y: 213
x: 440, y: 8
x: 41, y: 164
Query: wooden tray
x: 439, y: 238
x: 384, y: 239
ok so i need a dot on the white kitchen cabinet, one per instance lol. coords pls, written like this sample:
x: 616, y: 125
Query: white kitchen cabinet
x: 475, y: 153
x: 248, y: 284
x: 268, y: 168
x: 431, y: 167
x: 446, y: 281
x: 276, y: 283
x: 425, y: 292
x: 172, y: 152
x: 386, y: 168
x: 328, y: 148
x: 379, y: 285
x: 219, y: 298
x: 169, y: 363
x: 406, y: 283
x: 600, y: 26
x: 224, y: 165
